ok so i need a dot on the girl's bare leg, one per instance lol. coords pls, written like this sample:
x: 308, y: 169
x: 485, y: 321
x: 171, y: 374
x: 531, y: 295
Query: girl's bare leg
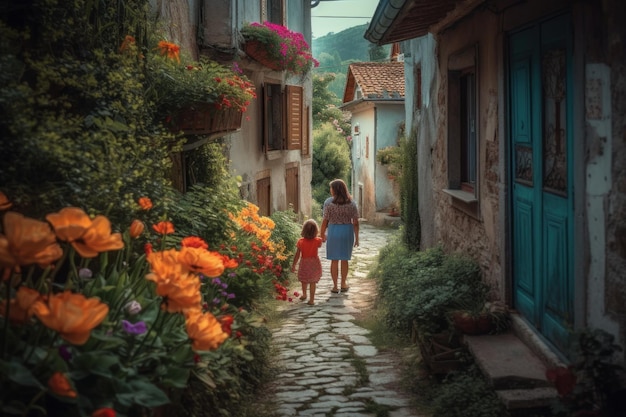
x: 303, y: 296
x: 312, y: 293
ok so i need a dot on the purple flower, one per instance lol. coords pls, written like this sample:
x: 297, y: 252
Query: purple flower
x: 232, y: 275
x: 137, y: 328
x: 85, y: 273
x: 65, y: 353
x: 133, y: 308
x: 216, y: 300
x: 224, y: 285
x: 229, y: 296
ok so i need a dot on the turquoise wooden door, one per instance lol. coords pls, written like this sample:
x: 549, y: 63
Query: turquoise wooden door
x: 540, y: 76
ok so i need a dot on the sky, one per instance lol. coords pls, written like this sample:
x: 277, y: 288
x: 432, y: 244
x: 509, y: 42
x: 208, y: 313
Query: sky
x: 335, y: 16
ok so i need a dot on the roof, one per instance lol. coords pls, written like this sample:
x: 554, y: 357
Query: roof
x: 399, y: 20
x: 378, y: 80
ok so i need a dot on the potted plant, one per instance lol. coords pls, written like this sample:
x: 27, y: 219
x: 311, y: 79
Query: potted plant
x: 489, y: 317
x: 277, y: 47
x: 195, y: 96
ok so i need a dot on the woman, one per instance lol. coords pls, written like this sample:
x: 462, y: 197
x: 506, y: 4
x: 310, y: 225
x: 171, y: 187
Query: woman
x: 341, y: 220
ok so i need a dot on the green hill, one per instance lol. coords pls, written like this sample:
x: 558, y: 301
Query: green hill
x: 336, y: 51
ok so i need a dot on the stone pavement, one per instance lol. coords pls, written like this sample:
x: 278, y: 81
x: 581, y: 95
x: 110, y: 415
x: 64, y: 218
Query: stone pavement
x: 328, y: 366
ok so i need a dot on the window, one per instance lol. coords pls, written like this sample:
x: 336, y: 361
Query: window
x: 283, y: 117
x: 462, y: 127
x: 273, y: 11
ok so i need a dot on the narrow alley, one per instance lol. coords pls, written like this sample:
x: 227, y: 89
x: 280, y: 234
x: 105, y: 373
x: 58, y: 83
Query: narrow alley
x: 328, y: 366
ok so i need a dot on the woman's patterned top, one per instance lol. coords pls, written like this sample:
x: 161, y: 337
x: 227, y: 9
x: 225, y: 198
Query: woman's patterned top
x: 340, y: 213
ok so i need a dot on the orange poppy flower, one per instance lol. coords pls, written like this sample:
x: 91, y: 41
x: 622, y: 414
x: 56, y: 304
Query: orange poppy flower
x: 163, y: 228
x: 88, y: 237
x: 204, y: 330
x: 194, y: 242
x: 202, y: 261
x: 169, y: 49
x: 20, y: 306
x: 27, y: 241
x: 5, y: 204
x: 60, y: 385
x: 145, y: 203
x: 164, y: 265
x: 136, y: 228
x: 181, y: 293
x: 229, y: 263
x: 73, y: 316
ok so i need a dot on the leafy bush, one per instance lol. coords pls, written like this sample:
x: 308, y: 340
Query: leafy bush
x: 424, y: 286
x: 331, y: 159
x: 463, y: 394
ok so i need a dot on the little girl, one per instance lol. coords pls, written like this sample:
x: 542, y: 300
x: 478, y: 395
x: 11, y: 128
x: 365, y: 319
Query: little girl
x: 310, y: 270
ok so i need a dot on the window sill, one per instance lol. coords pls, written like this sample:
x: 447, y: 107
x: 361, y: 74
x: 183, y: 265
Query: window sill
x: 464, y: 196
x: 272, y: 155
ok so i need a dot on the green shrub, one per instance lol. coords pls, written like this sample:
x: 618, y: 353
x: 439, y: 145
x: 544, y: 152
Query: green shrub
x: 464, y: 394
x: 331, y: 159
x: 424, y: 286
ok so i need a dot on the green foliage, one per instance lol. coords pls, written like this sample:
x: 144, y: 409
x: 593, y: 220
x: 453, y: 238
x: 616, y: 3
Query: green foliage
x: 77, y: 129
x: 391, y: 157
x: 424, y: 286
x: 466, y: 393
x: 594, y: 383
x: 331, y: 159
x: 409, y: 191
x: 322, y: 97
x: 349, y: 44
x: 377, y: 53
x: 286, y: 233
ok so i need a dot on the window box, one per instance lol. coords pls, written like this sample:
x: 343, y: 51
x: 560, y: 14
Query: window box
x: 205, y: 119
x: 258, y: 51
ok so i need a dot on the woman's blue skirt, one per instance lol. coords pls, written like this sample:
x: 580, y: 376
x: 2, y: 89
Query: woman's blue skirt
x: 339, y: 242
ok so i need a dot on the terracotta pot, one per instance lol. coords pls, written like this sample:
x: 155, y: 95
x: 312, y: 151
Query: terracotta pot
x: 204, y: 119
x: 258, y: 51
x: 466, y: 323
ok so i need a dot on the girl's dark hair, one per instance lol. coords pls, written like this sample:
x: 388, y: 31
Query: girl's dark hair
x: 309, y: 229
x: 340, y: 192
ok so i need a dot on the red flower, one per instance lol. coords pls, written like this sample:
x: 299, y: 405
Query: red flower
x: 147, y: 248
x: 227, y: 322
x: 104, y: 412
x: 563, y: 379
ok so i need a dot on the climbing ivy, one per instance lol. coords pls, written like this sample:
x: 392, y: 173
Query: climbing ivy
x: 408, y: 192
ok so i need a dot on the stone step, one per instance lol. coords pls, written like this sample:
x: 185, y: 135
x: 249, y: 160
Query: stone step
x: 515, y: 371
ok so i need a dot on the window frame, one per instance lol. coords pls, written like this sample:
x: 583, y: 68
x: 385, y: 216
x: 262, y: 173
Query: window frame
x: 284, y: 121
x: 463, y: 130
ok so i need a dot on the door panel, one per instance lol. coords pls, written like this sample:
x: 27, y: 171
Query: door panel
x: 541, y: 198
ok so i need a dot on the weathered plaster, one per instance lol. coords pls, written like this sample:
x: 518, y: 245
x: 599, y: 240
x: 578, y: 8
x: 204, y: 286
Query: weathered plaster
x: 599, y: 185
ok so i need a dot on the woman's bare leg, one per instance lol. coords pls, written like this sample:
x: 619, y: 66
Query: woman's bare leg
x: 334, y: 272
x: 344, y: 274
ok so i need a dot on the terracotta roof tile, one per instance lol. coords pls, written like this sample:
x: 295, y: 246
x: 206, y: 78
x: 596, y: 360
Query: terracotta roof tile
x: 376, y: 79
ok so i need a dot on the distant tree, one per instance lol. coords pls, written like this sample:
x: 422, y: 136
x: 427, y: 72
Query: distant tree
x: 322, y: 96
x: 327, y: 62
x: 377, y: 53
x: 331, y: 159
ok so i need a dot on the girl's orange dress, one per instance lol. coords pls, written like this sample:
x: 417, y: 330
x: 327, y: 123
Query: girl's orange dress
x: 310, y: 269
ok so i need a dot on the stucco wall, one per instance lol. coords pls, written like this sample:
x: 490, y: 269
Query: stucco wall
x: 480, y: 236
x: 389, y: 118
x: 363, y: 161
x: 219, y: 39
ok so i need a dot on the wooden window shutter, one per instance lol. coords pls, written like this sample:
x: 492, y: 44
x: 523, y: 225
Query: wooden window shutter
x: 305, y: 133
x: 294, y: 116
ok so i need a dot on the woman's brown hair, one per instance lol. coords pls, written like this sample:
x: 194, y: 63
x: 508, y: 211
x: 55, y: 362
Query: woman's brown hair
x: 340, y: 192
x: 309, y: 229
